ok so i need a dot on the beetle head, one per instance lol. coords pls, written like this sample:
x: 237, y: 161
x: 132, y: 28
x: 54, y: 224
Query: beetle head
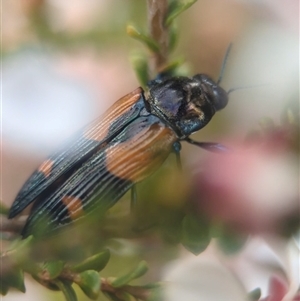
x: 187, y: 104
x: 217, y: 96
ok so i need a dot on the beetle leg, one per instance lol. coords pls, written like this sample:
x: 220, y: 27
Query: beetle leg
x: 209, y: 146
x: 133, y: 197
x: 178, y: 161
x: 177, y: 149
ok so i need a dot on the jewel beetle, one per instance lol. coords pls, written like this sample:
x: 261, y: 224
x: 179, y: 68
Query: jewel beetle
x: 124, y: 146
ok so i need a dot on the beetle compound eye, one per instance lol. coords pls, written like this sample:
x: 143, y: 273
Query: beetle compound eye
x: 220, y: 98
x: 215, y: 94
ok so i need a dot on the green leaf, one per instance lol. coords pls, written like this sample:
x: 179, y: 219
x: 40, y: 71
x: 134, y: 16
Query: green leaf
x: 176, y: 8
x: 231, y: 242
x: 136, y: 34
x: 254, y: 295
x: 173, y: 37
x: 127, y: 297
x: 140, y: 66
x: 15, y: 279
x: 19, y: 248
x: 139, y: 271
x: 153, y: 285
x: 173, y: 66
x: 90, y: 283
x: 96, y: 262
x: 195, y: 234
x: 111, y: 296
x: 21, y: 244
x: 156, y: 294
x: 3, y: 288
x: 51, y: 285
x: 54, y: 268
x: 67, y: 289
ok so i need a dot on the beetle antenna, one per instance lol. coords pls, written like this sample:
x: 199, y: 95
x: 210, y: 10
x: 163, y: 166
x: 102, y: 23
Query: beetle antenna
x: 244, y: 87
x: 209, y: 146
x: 224, y: 63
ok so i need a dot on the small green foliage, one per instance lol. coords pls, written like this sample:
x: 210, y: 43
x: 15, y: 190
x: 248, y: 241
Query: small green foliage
x: 176, y: 8
x: 173, y: 66
x: 154, y: 285
x: 3, y: 288
x: 15, y: 256
x: 21, y: 245
x: 254, y: 295
x: 127, y: 297
x: 155, y: 291
x: 146, y: 40
x: 156, y: 46
x: 53, y: 268
x: 96, y: 262
x: 173, y: 37
x: 67, y: 289
x: 195, y: 234
x: 15, y: 279
x: 51, y: 285
x: 291, y: 225
x: 135, y: 293
x: 139, y: 271
x: 18, y: 251
x: 141, y: 68
x: 111, y: 296
x: 54, y: 275
x: 229, y: 241
x: 90, y: 283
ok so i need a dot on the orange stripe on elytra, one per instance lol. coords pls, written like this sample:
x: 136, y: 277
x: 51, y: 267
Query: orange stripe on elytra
x: 99, y: 128
x: 140, y: 156
x: 46, y: 167
x: 74, y: 206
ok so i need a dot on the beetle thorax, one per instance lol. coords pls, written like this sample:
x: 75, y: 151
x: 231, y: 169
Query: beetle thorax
x: 182, y: 104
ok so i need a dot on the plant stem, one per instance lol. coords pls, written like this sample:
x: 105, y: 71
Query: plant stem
x: 11, y: 225
x: 157, y: 12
